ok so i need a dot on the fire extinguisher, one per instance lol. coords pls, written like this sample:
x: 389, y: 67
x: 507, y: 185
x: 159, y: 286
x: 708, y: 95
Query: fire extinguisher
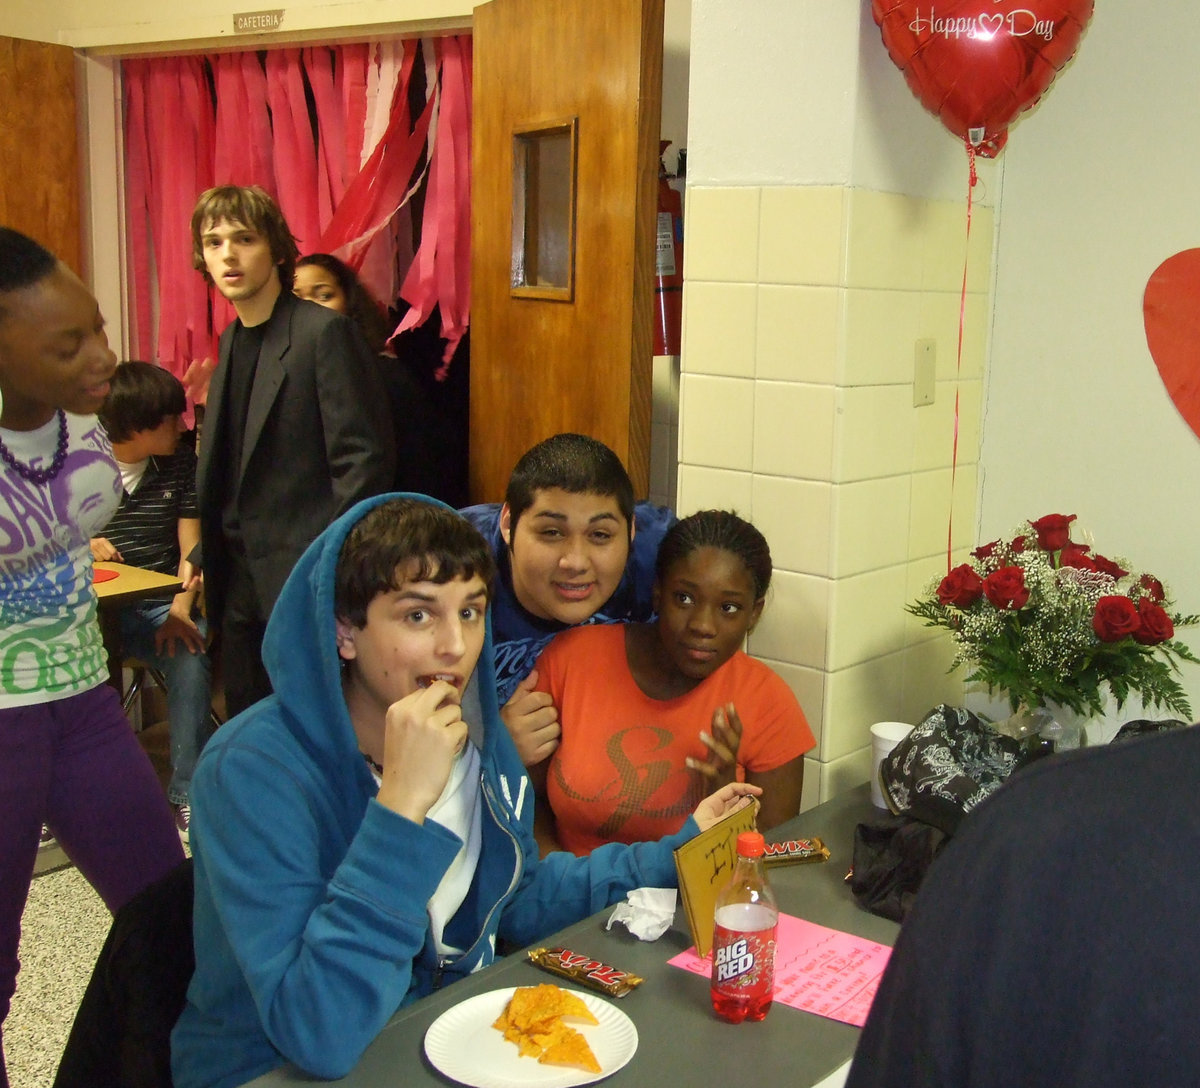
x: 668, y: 272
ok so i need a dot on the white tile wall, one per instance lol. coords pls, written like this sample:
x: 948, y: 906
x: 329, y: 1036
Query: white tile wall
x: 802, y: 308
x: 795, y: 515
x: 721, y: 327
x: 799, y: 333
x: 794, y: 429
x: 716, y: 423
x: 702, y: 488
x: 721, y: 235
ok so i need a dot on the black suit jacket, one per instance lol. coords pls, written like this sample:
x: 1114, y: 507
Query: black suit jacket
x: 318, y: 439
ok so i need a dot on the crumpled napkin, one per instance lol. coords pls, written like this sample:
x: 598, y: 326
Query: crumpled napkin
x: 647, y: 912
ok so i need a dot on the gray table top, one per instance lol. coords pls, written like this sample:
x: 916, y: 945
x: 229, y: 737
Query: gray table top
x: 680, y: 1041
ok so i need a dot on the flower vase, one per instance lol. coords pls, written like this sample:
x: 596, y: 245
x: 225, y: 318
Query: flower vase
x: 1064, y: 728
x: 1058, y: 728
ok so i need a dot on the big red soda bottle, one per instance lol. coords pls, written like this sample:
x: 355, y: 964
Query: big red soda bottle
x: 743, y: 954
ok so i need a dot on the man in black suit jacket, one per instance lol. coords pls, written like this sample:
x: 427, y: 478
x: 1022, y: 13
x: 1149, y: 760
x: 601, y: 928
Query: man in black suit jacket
x: 296, y: 429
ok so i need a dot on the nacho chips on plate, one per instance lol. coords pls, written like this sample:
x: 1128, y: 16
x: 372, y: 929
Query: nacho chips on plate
x: 533, y: 1019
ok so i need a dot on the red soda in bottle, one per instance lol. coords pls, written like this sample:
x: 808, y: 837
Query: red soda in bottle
x: 743, y: 951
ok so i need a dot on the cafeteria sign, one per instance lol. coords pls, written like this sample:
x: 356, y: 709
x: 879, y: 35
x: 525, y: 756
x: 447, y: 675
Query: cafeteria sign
x: 255, y: 22
x: 705, y: 865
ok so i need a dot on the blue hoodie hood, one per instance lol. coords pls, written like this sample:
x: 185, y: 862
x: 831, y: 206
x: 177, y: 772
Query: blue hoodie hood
x: 300, y: 651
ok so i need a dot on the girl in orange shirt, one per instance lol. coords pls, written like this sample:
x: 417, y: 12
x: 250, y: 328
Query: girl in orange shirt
x: 656, y: 715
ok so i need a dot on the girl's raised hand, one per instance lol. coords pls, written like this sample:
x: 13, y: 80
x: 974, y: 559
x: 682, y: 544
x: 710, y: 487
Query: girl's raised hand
x: 722, y: 743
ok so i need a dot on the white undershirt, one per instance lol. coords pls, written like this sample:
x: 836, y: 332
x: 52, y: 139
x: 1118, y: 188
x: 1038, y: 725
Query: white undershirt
x: 131, y: 474
x: 459, y: 811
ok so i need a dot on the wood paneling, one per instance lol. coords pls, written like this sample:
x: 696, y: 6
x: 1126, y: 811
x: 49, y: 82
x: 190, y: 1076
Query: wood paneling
x: 39, y: 156
x: 538, y: 366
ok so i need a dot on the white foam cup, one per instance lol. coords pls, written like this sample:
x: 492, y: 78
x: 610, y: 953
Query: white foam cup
x: 884, y: 737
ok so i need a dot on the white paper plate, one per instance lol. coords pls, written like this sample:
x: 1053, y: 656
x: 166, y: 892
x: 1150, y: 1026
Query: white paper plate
x: 463, y: 1044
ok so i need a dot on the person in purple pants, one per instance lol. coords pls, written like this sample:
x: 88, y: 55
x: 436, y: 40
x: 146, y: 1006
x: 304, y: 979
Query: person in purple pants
x: 68, y: 758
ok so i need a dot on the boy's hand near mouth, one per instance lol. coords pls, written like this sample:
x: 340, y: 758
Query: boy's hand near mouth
x: 425, y: 732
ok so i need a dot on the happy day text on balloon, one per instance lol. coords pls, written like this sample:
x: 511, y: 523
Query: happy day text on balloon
x: 1020, y: 23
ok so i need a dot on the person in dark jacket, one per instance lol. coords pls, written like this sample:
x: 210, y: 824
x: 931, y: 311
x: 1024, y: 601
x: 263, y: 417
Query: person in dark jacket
x: 1052, y: 944
x: 296, y: 428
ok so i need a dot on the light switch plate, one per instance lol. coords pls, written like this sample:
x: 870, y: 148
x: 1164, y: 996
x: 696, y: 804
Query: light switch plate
x: 924, y: 372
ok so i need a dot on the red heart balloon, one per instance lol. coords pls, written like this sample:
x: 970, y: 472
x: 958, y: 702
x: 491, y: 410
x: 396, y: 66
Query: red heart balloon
x: 1171, y: 312
x: 977, y: 64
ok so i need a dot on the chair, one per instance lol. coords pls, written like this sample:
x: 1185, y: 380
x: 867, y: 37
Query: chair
x: 122, y: 1029
x: 141, y: 672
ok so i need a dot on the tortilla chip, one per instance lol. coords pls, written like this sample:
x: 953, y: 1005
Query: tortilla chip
x: 567, y: 1047
x: 533, y: 1021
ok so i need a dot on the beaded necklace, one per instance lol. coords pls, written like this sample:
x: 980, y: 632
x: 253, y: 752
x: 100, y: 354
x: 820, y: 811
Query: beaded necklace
x: 40, y: 476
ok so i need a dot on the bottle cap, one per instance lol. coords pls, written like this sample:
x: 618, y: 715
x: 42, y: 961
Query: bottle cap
x: 750, y: 844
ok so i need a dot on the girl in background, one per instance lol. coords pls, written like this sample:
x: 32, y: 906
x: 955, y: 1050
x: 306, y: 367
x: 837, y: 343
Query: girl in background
x: 328, y: 281
x: 656, y: 715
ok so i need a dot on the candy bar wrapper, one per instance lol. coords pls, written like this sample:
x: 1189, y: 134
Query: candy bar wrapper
x: 795, y: 851
x: 586, y: 971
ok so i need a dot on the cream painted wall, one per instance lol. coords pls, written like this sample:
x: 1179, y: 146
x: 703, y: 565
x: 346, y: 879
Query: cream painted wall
x: 126, y: 25
x: 801, y: 92
x: 1099, y: 189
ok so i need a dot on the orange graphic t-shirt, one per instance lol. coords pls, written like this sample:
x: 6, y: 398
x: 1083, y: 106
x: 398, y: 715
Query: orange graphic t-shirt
x: 618, y: 774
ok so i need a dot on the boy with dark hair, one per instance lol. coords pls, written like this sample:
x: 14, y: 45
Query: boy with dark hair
x: 297, y: 427
x: 571, y: 547
x: 249, y: 206
x: 365, y: 834
x: 156, y: 527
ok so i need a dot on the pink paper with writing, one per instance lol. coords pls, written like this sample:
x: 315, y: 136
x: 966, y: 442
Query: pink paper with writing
x: 817, y: 969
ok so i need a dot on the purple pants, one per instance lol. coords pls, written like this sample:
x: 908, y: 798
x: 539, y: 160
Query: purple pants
x: 76, y: 766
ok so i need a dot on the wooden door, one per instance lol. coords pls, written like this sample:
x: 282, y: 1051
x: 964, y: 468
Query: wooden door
x: 39, y: 158
x: 567, y: 97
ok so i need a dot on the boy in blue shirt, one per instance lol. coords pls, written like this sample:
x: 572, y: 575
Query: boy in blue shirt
x: 365, y: 834
x: 571, y: 548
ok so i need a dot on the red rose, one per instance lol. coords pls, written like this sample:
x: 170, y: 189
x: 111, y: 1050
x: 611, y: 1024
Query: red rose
x: 986, y: 551
x: 1018, y: 545
x: 1114, y: 618
x: 1053, y: 531
x: 1152, y: 587
x: 1005, y: 588
x: 1107, y: 566
x: 1155, y: 625
x: 1076, y: 555
x: 962, y: 587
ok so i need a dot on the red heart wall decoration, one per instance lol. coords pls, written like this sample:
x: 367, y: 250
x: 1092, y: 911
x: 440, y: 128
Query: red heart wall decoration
x: 1171, y: 312
x: 977, y: 64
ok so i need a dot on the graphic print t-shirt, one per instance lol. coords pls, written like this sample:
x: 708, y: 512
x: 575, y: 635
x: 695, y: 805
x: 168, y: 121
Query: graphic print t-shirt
x: 50, y: 644
x: 618, y: 774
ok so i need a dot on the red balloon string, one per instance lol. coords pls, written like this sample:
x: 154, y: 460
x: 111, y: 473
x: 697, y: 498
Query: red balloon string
x: 973, y: 179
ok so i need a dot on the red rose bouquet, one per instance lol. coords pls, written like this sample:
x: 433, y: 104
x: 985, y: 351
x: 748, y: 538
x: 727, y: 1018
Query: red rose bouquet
x: 1044, y: 619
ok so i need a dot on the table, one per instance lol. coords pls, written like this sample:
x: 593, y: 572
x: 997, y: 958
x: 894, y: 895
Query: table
x: 130, y: 584
x: 680, y: 1041
x: 133, y: 584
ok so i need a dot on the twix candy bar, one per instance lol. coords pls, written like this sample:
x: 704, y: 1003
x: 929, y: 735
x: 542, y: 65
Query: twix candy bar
x: 795, y: 851
x: 593, y: 974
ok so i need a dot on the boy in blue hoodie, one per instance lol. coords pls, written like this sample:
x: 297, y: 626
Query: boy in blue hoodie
x: 365, y: 834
